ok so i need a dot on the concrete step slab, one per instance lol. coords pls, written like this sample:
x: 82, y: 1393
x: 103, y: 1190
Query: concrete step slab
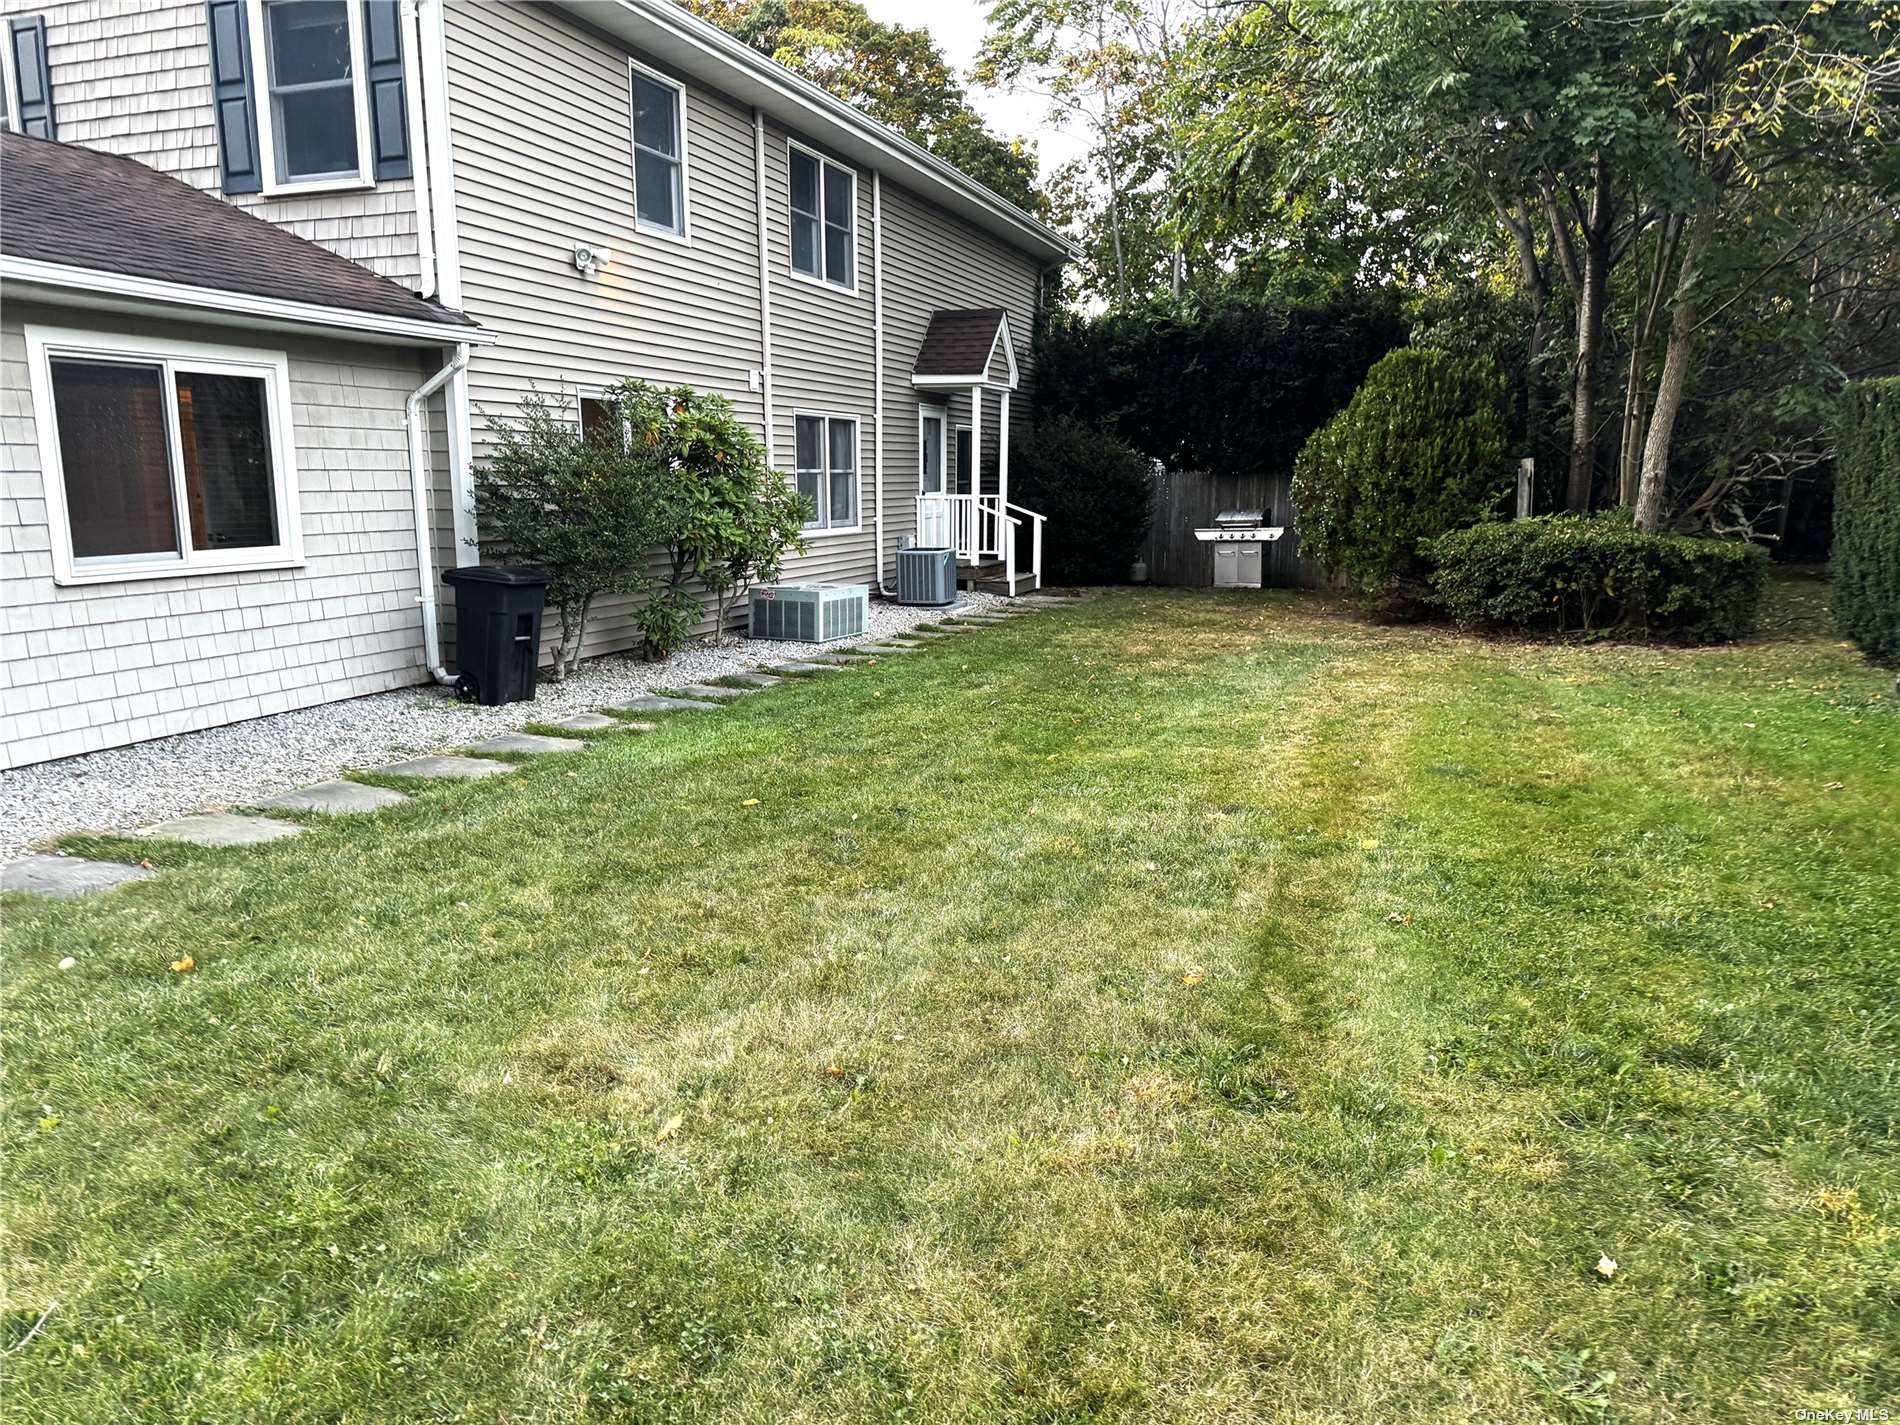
x: 880, y: 650
x: 450, y: 767
x: 528, y: 742
x: 653, y: 702
x: 708, y: 690
x: 589, y: 722
x: 221, y: 828
x: 338, y: 798
x: 64, y: 877
x: 801, y: 668
x: 756, y: 680
x: 838, y: 660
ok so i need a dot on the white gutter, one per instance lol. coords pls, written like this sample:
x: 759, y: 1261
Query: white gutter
x: 418, y: 147
x: 765, y: 275
x: 877, y: 370
x: 107, y: 289
x: 419, y: 489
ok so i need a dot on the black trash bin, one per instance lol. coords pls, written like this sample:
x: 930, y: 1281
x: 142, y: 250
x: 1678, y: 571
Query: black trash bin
x: 497, y: 630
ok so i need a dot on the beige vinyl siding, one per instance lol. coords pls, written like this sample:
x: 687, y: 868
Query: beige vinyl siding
x: 91, y: 666
x: 135, y: 79
x: 540, y: 113
x: 934, y: 260
x: 823, y: 345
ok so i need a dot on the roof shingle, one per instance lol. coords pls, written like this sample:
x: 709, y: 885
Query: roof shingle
x: 959, y: 343
x: 82, y: 208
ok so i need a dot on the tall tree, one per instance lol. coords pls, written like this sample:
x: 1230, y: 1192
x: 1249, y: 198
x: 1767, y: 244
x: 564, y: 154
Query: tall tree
x: 894, y: 73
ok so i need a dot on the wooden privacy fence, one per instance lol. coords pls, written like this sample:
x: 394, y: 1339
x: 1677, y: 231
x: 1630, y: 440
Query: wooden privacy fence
x: 1186, y: 500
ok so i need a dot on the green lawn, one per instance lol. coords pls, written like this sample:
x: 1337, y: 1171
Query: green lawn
x: 1190, y: 1008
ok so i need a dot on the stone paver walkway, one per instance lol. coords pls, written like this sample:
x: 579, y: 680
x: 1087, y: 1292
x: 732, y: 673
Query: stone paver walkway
x: 338, y: 798
x: 74, y: 875
x: 445, y: 766
x: 67, y: 876
x: 223, y: 828
x: 528, y: 742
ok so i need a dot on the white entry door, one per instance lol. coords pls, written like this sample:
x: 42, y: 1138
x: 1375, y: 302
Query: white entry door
x: 933, y: 519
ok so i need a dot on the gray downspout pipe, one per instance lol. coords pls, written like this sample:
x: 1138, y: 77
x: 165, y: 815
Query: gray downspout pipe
x: 419, y: 488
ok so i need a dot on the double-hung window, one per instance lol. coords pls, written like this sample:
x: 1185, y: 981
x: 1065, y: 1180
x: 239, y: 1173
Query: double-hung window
x: 162, y: 457
x: 659, y: 154
x: 314, y: 121
x: 824, y: 220
x: 828, y: 470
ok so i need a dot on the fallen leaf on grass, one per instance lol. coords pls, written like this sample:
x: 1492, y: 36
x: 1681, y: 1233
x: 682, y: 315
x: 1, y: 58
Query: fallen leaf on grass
x: 1399, y: 917
x: 1368, y: 845
x: 749, y: 802
x: 146, y: 866
x: 1606, y: 1267
x: 1193, y: 975
x: 183, y: 964
x: 1834, y: 786
x: 668, y: 1128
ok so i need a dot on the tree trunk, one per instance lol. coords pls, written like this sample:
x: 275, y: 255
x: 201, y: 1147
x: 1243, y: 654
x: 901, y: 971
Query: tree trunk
x: 1590, y: 302
x: 1517, y: 220
x: 1629, y: 457
x: 1675, y: 376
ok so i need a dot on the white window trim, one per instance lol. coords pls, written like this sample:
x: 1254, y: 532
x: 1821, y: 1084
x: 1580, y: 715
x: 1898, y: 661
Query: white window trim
x: 976, y: 461
x: 6, y: 74
x: 273, y: 367
x: 266, y: 117
x: 941, y: 415
x: 684, y: 233
x: 851, y: 287
x: 823, y: 531
x: 599, y: 393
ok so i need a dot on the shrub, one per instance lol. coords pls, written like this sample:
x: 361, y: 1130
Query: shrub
x: 1865, y: 569
x: 1418, y: 451
x: 584, y: 510
x: 1097, y: 493
x: 727, y: 518
x: 1578, y: 574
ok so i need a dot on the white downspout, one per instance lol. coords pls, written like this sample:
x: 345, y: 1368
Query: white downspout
x: 419, y: 489
x: 419, y: 147
x: 448, y: 260
x: 877, y: 362
x: 765, y: 277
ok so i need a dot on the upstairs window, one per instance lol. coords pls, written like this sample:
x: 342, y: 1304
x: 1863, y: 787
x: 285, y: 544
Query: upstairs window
x: 824, y: 220
x: 315, y: 115
x: 828, y: 470
x: 162, y: 457
x: 659, y: 155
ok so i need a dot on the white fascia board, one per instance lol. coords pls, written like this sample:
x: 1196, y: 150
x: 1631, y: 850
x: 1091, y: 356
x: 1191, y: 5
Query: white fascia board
x: 705, y: 52
x: 90, y: 287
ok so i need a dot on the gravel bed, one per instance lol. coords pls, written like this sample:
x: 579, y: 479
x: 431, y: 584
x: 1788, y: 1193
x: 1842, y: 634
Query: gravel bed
x: 242, y: 763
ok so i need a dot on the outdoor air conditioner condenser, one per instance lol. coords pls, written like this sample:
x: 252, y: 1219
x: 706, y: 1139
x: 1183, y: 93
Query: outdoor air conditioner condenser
x: 810, y: 613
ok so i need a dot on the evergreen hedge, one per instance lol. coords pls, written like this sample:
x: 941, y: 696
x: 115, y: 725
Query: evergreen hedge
x: 1234, y: 390
x: 1593, y: 574
x: 1098, y: 495
x: 1865, y: 569
x: 1419, y: 450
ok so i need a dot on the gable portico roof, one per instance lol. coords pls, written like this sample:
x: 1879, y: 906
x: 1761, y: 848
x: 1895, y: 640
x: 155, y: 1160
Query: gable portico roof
x: 83, y: 227
x: 703, y: 51
x: 961, y: 345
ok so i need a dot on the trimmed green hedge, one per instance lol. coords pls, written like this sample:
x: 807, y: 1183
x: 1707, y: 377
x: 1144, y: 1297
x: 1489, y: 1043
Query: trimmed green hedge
x: 1096, y: 492
x: 1865, y: 569
x: 1576, y: 574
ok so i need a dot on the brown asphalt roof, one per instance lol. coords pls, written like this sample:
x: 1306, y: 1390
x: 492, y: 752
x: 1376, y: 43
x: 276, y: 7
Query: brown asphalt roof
x: 958, y: 342
x: 82, y: 208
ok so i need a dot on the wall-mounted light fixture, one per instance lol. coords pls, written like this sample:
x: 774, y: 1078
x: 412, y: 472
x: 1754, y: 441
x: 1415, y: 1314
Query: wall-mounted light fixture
x: 589, y: 259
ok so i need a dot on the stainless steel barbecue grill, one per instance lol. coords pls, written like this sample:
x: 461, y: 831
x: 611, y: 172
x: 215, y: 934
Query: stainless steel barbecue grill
x: 1238, y: 535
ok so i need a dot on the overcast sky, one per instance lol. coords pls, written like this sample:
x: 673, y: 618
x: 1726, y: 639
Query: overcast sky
x: 957, y: 26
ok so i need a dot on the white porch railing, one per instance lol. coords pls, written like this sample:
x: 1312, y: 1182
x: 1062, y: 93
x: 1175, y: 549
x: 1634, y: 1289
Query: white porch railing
x: 981, y: 529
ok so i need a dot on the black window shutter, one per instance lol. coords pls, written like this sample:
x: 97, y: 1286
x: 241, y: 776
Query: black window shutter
x: 231, y: 97
x: 389, y: 119
x: 35, y: 80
